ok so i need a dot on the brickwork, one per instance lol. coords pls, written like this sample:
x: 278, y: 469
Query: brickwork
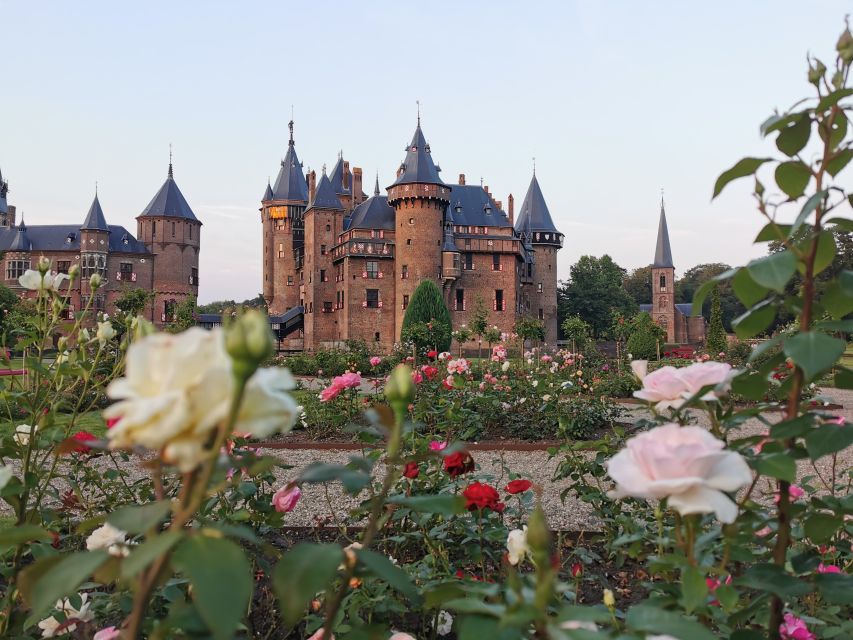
x: 663, y: 300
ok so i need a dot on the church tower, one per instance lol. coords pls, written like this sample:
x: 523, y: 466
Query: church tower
x: 282, y: 215
x: 663, y: 281
x: 171, y: 231
x: 419, y: 198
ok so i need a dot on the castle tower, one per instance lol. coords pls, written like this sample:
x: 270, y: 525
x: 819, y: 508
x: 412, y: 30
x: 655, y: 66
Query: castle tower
x: 7, y: 211
x: 282, y: 211
x: 419, y: 198
x: 171, y: 231
x: 323, y: 223
x: 663, y: 281
x: 94, y: 249
x: 538, y: 232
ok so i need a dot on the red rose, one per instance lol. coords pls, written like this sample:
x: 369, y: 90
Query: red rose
x: 577, y: 570
x: 458, y: 463
x: 479, y: 496
x: 411, y: 470
x: 518, y: 486
x: 429, y: 371
x: 432, y: 354
x: 81, y: 438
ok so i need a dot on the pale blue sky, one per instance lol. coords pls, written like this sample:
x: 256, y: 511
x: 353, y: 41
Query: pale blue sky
x: 615, y: 100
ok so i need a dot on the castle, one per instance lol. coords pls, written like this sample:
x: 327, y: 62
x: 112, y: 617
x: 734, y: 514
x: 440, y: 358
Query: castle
x: 163, y: 257
x: 349, y: 262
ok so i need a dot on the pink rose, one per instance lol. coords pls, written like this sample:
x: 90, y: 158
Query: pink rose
x: 107, y: 633
x: 764, y: 532
x: 546, y: 358
x: 330, y: 393
x: 375, y: 361
x: 794, y: 629
x: 349, y: 380
x: 794, y: 493
x: 662, y: 387
x: 828, y: 568
x: 284, y: 500
x: 437, y: 445
x: 399, y: 635
x: 417, y: 378
x: 701, y: 374
x: 687, y: 465
x: 318, y: 635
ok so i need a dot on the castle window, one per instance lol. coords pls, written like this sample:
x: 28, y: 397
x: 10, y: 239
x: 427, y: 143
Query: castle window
x: 405, y: 272
x: 311, y: 307
x: 409, y: 241
x: 662, y: 282
x: 63, y: 266
x: 372, y: 269
x: 280, y: 250
x: 153, y: 229
x: 190, y: 227
x: 468, y: 261
x: 405, y: 301
x: 289, y: 280
x: 460, y: 300
x: 194, y: 276
x: 372, y: 298
x: 411, y: 221
x: 500, y: 303
x: 539, y: 287
x: 541, y: 313
x: 376, y: 336
x: 328, y: 227
x: 169, y: 310
x: 16, y: 268
x: 323, y: 276
x: 322, y: 249
x: 125, y: 271
x: 467, y: 243
x: 327, y: 307
x: 529, y: 269
x: 173, y: 229
x: 496, y: 262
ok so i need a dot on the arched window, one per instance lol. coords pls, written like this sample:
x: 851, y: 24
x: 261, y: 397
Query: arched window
x: 662, y: 283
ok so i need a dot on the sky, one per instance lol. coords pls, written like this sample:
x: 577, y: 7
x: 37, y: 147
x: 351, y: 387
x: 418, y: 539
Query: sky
x: 616, y: 100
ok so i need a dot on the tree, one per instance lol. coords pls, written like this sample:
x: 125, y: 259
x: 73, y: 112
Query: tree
x: 593, y: 291
x: 529, y: 328
x: 479, y: 323
x: 133, y: 301
x: 577, y: 332
x: 185, y: 315
x: 689, y: 283
x: 8, y: 302
x: 716, y: 341
x: 427, y: 306
x: 644, y: 338
x: 638, y: 284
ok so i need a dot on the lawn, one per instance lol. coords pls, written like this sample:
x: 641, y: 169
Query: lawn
x: 91, y: 421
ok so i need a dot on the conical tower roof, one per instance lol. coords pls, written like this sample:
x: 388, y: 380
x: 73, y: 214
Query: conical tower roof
x: 21, y: 241
x: 290, y: 183
x: 267, y: 193
x: 336, y: 177
x: 534, y: 215
x: 95, y: 220
x: 418, y: 167
x: 324, y: 196
x: 169, y: 202
x: 663, y: 252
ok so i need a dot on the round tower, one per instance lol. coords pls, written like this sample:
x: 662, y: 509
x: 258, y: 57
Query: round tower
x: 94, y: 249
x: 419, y: 198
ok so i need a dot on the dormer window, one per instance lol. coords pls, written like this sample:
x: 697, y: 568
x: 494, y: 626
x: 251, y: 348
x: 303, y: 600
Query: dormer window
x: 69, y: 238
x: 487, y: 209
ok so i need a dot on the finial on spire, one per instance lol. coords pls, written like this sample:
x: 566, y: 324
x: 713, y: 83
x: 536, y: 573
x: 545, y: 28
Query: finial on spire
x: 534, y: 165
x: 661, y: 198
x: 171, y: 174
x: 481, y: 181
x: 96, y: 188
x: 324, y: 168
x: 290, y: 126
x: 418, y: 102
x: 376, y: 188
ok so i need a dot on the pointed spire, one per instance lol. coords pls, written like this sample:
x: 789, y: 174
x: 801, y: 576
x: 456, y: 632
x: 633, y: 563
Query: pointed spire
x: 21, y: 241
x: 95, y: 220
x: 171, y: 173
x: 534, y: 217
x: 4, y: 189
x: 325, y: 196
x: 418, y: 167
x: 663, y: 252
x: 376, y: 186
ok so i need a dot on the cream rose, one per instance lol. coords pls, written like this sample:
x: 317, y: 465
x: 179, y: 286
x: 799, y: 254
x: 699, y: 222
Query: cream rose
x: 687, y: 465
x: 33, y: 281
x: 105, y: 332
x: 516, y: 545
x: 110, y: 538
x: 50, y: 627
x: 702, y: 374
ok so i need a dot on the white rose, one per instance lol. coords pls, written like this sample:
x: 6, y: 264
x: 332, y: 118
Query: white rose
x: 33, y: 281
x: 6, y: 474
x: 23, y: 433
x: 444, y: 623
x: 267, y: 407
x: 505, y: 366
x: 108, y: 537
x: 50, y: 626
x: 687, y: 465
x: 580, y: 624
x: 105, y: 332
x: 516, y: 545
x: 535, y: 383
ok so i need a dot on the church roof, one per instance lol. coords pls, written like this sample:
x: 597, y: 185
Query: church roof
x: 290, y: 183
x: 324, y: 196
x: 684, y: 308
x: 64, y: 237
x: 663, y: 252
x: 95, y: 220
x: 418, y: 166
x: 373, y: 213
x: 169, y: 202
x: 534, y: 215
x: 471, y: 206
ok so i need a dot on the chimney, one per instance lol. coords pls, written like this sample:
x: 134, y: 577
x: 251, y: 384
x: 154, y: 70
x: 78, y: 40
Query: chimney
x: 511, y: 206
x: 356, y: 185
x: 500, y: 204
x: 462, y: 178
x: 11, y: 217
x: 312, y: 186
x: 486, y: 189
x: 346, y: 174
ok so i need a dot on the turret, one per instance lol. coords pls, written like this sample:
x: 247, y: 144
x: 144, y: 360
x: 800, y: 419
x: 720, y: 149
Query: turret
x: 7, y: 212
x: 94, y: 242
x: 419, y: 198
x: 663, y: 280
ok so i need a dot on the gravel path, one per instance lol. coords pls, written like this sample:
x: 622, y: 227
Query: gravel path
x: 330, y: 501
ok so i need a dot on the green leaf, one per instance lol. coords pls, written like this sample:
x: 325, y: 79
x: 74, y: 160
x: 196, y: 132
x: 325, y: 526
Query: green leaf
x: 814, y: 352
x: 772, y: 232
x: 221, y: 578
x: 751, y: 385
x: 776, y: 465
x: 840, y: 160
x: 792, y: 178
x: 842, y: 223
x: 793, y: 428
x: 825, y: 253
x: 144, y: 554
x: 773, y: 271
x: 744, y: 167
x: 444, y: 505
x: 18, y: 534
x: 694, y: 589
x: 754, y: 321
x: 353, y: 481
x: 794, y: 137
x: 63, y: 578
x: 649, y: 618
x: 832, y: 99
x: 835, y: 587
x: 380, y: 566
x: 139, y: 519
x: 828, y: 439
x: 301, y: 573
x: 820, y: 527
x: 837, y: 299
x: 777, y: 122
x: 808, y: 208
x: 748, y: 291
x: 773, y: 579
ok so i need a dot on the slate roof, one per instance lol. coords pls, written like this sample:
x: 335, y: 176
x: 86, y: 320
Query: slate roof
x: 471, y: 206
x: 684, y: 308
x: 373, y: 213
x: 95, y: 220
x: 534, y: 215
x: 267, y: 193
x: 337, y: 178
x: 324, y: 196
x: 418, y: 166
x: 169, y: 202
x: 290, y: 183
x: 66, y: 237
x: 663, y: 252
